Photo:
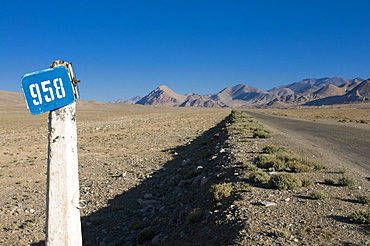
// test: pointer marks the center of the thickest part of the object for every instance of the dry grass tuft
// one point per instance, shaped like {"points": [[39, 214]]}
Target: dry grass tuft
{"points": [[285, 181], [220, 191]]}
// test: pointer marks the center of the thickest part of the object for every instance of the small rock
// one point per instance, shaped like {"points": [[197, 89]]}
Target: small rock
{"points": [[181, 183], [199, 169], [197, 179], [185, 162], [267, 204], [149, 202], [155, 240], [183, 234], [148, 196], [203, 181]]}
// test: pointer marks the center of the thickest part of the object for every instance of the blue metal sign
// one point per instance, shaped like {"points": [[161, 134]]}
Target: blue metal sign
{"points": [[48, 89]]}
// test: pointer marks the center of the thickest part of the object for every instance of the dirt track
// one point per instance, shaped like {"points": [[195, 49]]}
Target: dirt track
{"points": [[339, 144]]}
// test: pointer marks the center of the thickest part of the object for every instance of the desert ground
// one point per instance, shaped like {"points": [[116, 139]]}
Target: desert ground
{"points": [[146, 175]]}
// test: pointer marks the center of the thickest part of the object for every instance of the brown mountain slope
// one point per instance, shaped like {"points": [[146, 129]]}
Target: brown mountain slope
{"points": [[330, 90], [196, 100], [162, 95], [361, 93], [349, 86], [306, 84], [8, 98]]}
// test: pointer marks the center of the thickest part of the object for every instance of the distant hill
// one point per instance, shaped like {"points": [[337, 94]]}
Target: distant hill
{"points": [[8, 98], [330, 90], [196, 100], [324, 91], [129, 101], [242, 92], [360, 93], [307, 84], [308, 92], [162, 95]]}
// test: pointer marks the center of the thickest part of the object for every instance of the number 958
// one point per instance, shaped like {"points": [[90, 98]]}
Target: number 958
{"points": [[48, 91]]}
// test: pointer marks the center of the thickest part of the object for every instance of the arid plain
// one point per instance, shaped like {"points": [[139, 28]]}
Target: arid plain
{"points": [[144, 171]]}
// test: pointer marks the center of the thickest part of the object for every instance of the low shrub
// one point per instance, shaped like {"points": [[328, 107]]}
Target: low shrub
{"points": [[346, 181], [138, 225], [244, 186], [361, 216], [306, 182], [342, 170], [145, 235], [364, 199], [363, 242], [285, 181], [317, 166], [259, 177], [286, 156], [282, 160], [189, 174], [279, 165], [270, 149], [220, 191], [268, 161], [195, 216], [363, 121], [249, 166], [318, 195], [329, 181], [282, 233], [261, 134], [263, 161], [298, 167]]}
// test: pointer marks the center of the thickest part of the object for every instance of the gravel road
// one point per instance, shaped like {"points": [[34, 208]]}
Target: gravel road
{"points": [[341, 144]]}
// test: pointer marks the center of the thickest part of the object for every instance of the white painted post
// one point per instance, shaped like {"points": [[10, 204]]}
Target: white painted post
{"points": [[63, 225]]}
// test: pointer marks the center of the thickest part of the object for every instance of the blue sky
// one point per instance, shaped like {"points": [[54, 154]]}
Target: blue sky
{"points": [[121, 49]]}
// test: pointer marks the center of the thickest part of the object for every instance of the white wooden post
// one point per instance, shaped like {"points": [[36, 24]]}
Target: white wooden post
{"points": [[63, 225]]}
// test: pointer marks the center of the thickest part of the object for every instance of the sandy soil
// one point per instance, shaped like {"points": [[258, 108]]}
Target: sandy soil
{"points": [[145, 169]]}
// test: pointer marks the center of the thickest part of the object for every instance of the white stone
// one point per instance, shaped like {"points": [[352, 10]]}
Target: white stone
{"points": [[267, 204]]}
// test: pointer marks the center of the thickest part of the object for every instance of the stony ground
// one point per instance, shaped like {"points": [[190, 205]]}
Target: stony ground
{"points": [[145, 175]]}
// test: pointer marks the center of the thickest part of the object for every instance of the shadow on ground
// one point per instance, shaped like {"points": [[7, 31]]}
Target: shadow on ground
{"points": [[177, 189]]}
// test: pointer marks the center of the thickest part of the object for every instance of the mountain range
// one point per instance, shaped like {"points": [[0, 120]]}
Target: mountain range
{"points": [[308, 92]]}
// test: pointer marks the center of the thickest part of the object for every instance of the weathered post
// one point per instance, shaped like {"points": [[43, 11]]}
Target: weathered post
{"points": [[63, 225], [55, 90]]}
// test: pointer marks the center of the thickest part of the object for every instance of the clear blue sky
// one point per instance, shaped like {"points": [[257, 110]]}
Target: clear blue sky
{"points": [[121, 49]]}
